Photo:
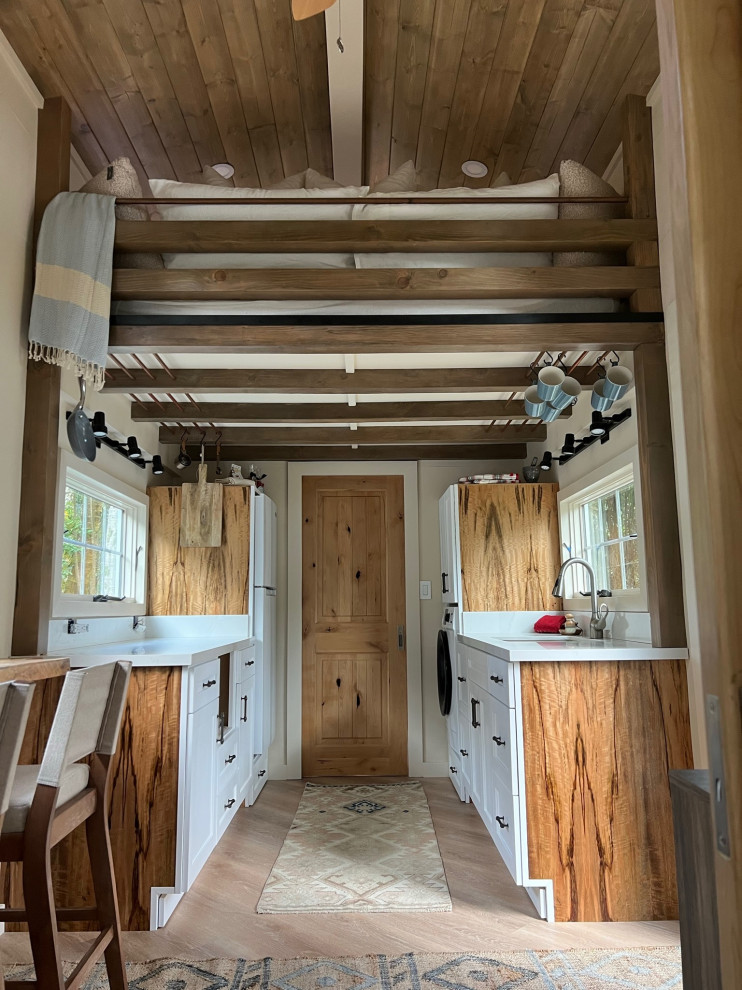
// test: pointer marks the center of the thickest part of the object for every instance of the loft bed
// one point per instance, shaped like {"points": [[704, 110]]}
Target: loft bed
{"points": [[406, 288]]}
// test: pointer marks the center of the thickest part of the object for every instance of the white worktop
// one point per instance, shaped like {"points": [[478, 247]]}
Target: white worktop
{"points": [[175, 651], [533, 647]]}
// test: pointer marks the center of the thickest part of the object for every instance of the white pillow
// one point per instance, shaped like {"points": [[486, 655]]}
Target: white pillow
{"points": [[312, 210], [486, 210]]}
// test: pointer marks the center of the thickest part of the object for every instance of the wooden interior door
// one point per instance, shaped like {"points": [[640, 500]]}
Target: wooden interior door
{"points": [[354, 665]]}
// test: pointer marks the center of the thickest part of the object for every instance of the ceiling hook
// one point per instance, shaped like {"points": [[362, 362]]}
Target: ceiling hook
{"points": [[617, 361], [548, 359]]}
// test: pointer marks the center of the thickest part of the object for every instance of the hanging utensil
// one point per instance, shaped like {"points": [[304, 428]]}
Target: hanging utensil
{"points": [[219, 454], [79, 431]]}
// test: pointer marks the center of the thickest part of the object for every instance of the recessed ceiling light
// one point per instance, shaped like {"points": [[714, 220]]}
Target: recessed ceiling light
{"points": [[474, 169], [224, 169]]}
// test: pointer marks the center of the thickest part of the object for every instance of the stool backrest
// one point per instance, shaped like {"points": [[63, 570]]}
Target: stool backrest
{"points": [[15, 702], [88, 718]]}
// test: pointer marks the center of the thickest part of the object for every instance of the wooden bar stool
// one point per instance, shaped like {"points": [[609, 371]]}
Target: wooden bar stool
{"points": [[46, 803]]}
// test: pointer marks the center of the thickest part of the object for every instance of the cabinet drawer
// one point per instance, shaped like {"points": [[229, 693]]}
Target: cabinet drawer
{"points": [[500, 680], [504, 825], [228, 755], [454, 772], [247, 660], [227, 798], [476, 665], [204, 684], [502, 743], [462, 653]]}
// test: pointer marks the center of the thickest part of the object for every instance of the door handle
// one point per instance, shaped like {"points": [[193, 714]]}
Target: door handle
{"points": [[400, 637], [249, 663], [461, 679], [474, 723], [208, 684], [444, 589], [463, 752], [453, 769]]}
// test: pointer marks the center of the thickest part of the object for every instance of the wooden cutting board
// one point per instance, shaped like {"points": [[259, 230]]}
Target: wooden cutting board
{"points": [[201, 513]]}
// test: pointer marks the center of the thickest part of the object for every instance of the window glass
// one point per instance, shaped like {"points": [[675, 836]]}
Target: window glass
{"points": [[92, 546], [608, 524]]}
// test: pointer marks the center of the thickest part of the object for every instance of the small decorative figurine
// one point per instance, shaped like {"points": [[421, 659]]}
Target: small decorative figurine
{"points": [[570, 627]]}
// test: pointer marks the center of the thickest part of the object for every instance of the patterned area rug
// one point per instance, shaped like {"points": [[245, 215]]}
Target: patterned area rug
{"points": [[358, 848], [594, 969]]}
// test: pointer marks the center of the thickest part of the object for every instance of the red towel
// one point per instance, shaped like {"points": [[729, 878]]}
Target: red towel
{"points": [[549, 624]]}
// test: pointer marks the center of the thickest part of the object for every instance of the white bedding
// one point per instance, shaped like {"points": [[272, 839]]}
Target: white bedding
{"points": [[315, 209]]}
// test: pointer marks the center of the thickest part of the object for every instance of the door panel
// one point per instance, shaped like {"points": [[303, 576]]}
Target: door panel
{"points": [[353, 603]]}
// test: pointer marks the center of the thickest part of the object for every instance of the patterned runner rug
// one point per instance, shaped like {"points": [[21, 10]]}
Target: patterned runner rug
{"points": [[358, 848], [593, 969]]}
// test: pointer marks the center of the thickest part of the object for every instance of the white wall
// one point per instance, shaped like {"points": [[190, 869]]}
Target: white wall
{"points": [[433, 478], [19, 104]]}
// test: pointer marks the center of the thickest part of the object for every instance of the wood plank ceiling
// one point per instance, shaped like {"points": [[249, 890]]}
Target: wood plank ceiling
{"points": [[179, 84]]}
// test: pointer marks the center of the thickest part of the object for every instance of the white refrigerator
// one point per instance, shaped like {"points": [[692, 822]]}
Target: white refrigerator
{"points": [[264, 603]]}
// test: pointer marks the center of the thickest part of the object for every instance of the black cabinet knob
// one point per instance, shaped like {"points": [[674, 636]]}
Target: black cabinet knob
{"points": [[261, 773], [497, 680], [231, 759], [461, 679], [463, 752], [230, 803], [498, 740], [208, 684], [501, 821], [453, 769]]}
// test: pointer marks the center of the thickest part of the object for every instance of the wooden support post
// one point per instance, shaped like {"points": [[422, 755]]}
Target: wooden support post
{"points": [[41, 425], [701, 83], [659, 497], [638, 171]]}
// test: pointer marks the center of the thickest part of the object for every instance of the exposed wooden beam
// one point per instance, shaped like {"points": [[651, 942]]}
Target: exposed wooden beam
{"points": [[261, 236], [659, 497], [253, 436], [387, 452], [288, 413], [317, 381], [213, 338], [638, 168], [380, 283], [35, 570]]}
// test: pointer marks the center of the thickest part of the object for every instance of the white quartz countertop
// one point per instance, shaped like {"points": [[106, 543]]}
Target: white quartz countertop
{"points": [[532, 647], [176, 651]]}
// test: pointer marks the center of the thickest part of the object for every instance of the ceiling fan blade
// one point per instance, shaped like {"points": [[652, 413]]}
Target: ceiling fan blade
{"points": [[308, 8]]}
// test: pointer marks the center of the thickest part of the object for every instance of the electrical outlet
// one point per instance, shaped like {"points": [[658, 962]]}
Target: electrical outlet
{"points": [[425, 591], [74, 627]]}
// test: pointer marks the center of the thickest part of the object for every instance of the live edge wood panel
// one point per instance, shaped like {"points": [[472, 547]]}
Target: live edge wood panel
{"points": [[196, 580], [143, 800], [599, 741], [509, 537]]}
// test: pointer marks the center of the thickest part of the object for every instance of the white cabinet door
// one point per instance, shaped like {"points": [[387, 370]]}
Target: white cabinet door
{"points": [[247, 746], [201, 787], [448, 520]]}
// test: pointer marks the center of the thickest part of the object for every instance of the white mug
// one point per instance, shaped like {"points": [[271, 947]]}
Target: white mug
{"points": [[550, 381], [617, 382]]}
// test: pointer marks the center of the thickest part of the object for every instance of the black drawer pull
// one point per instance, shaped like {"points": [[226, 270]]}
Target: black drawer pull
{"points": [[501, 821], [230, 802], [474, 723], [497, 680], [231, 759], [444, 589], [249, 663], [463, 752], [461, 679], [453, 769], [498, 740], [208, 684], [261, 773], [243, 717]]}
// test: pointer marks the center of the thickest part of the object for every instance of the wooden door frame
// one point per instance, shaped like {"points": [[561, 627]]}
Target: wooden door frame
{"points": [[408, 471], [701, 83]]}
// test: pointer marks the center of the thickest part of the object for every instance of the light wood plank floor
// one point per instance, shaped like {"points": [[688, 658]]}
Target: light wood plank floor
{"points": [[217, 917]]}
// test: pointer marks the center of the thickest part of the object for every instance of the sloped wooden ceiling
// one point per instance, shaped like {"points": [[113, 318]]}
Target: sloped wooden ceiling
{"points": [[179, 84], [517, 84]]}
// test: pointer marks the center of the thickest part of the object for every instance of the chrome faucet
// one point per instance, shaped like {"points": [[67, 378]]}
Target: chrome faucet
{"points": [[597, 620]]}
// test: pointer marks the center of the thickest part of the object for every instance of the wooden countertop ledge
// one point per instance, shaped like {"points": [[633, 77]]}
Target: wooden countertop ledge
{"points": [[30, 669]]}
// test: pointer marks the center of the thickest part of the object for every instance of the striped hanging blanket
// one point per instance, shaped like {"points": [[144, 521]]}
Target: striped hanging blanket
{"points": [[72, 295]]}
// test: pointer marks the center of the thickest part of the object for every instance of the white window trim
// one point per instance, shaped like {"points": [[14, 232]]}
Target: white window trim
{"points": [[622, 468], [136, 508]]}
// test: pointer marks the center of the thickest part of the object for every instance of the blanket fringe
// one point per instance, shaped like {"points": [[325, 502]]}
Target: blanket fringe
{"points": [[92, 373]]}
